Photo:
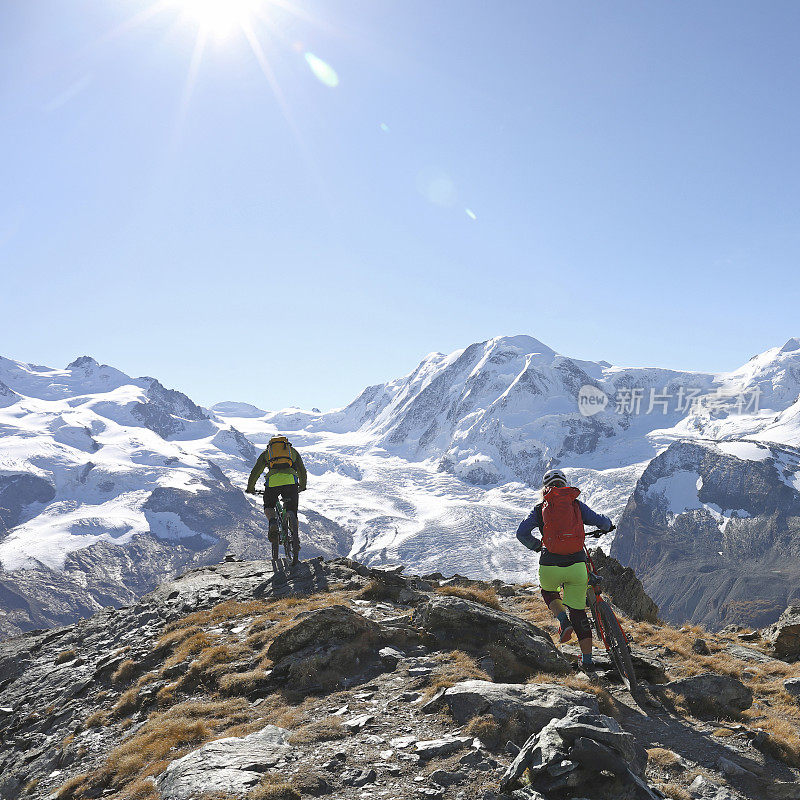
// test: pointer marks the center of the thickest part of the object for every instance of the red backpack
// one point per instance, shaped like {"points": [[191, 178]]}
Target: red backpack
{"points": [[563, 524]]}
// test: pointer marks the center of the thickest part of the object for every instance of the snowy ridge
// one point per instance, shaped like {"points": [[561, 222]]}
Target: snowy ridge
{"points": [[433, 470], [436, 469]]}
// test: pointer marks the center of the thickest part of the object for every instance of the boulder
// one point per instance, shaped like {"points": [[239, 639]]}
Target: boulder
{"points": [[436, 748], [331, 625], [534, 705], [784, 635], [582, 754], [713, 693], [792, 685], [460, 623], [230, 766], [624, 588]]}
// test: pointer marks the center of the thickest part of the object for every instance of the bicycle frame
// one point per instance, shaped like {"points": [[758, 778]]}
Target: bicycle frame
{"points": [[605, 622], [284, 534]]}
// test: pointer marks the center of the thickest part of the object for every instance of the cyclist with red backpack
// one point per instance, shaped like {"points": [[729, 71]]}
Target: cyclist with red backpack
{"points": [[560, 518], [286, 478]]}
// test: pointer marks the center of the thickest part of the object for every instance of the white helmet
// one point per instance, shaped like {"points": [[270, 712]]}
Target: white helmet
{"points": [[554, 477]]}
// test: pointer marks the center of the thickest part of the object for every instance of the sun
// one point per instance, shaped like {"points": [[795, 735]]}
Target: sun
{"points": [[219, 18]]}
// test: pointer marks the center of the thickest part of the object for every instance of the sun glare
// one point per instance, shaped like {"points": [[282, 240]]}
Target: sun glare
{"points": [[219, 18]]}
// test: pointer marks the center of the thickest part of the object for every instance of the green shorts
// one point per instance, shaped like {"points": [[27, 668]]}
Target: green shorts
{"points": [[574, 579]]}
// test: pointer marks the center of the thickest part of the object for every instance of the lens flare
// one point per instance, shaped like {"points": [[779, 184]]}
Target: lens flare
{"points": [[323, 71], [471, 214], [437, 187], [219, 18]]}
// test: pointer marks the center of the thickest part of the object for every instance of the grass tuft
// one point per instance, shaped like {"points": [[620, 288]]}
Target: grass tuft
{"points": [[486, 597], [66, 655]]}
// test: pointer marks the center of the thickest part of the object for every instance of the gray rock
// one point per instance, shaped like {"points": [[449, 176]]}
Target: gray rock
{"points": [[357, 723], [702, 787], [445, 778], [713, 693], [624, 588], [569, 753], [784, 790], [433, 748], [749, 654], [784, 635], [464, 624], [732, 770], [700, 646], [233, 765], [333, 624], [792, 685], [365, 777], [532, 704]]}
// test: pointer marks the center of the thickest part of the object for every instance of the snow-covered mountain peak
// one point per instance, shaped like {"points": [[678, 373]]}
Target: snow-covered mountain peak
{"points": [[791, 345], [83, 376], [230, 408]]}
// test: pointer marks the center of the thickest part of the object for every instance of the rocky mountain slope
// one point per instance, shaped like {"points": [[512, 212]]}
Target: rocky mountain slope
{"points": [[714, 531], [337, 680], [109, 484]]}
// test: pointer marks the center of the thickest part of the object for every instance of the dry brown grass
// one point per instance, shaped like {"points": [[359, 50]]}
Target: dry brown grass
{"points": [[73, 788], [96, 720], [273, 787], [487, 729], [663, 757], [783, 740], [494, 734], [65, 655], [125, 672], [605, 700], [140, 789], [244, 684], [227, 611], [164, 737], [127, 703], [454, 666], [533, 609], [319, 731], [190, 646], [375, 590], [486, 597], [774, 710], [674, 791]]}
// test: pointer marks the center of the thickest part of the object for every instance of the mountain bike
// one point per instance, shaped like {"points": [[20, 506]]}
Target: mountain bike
{"points": [[609, 630], [284, 534]]}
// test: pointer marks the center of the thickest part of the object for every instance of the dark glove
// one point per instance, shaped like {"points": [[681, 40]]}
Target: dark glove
{"points": [[537, 545], [249, 491], [612, 528], [302, 488]]}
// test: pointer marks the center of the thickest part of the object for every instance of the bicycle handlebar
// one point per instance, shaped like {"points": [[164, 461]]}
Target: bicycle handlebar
{"points": [[597, 533]]}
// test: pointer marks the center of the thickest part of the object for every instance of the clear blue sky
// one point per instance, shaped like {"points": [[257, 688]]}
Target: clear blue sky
{"points": [[631, 170]]}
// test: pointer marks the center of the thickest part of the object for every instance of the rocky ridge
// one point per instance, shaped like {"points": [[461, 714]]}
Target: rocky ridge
{"points": [[340, 680]]}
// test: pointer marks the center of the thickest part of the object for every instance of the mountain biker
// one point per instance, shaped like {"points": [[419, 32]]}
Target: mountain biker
{"points": [[560, 518], [286, 478]]}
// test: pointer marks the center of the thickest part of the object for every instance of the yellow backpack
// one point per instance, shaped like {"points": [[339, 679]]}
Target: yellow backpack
{"points": [[279, 453]]}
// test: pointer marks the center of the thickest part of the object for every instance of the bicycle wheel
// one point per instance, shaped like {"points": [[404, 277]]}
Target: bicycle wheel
{"points": [[287, 541], [617, 644]]}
